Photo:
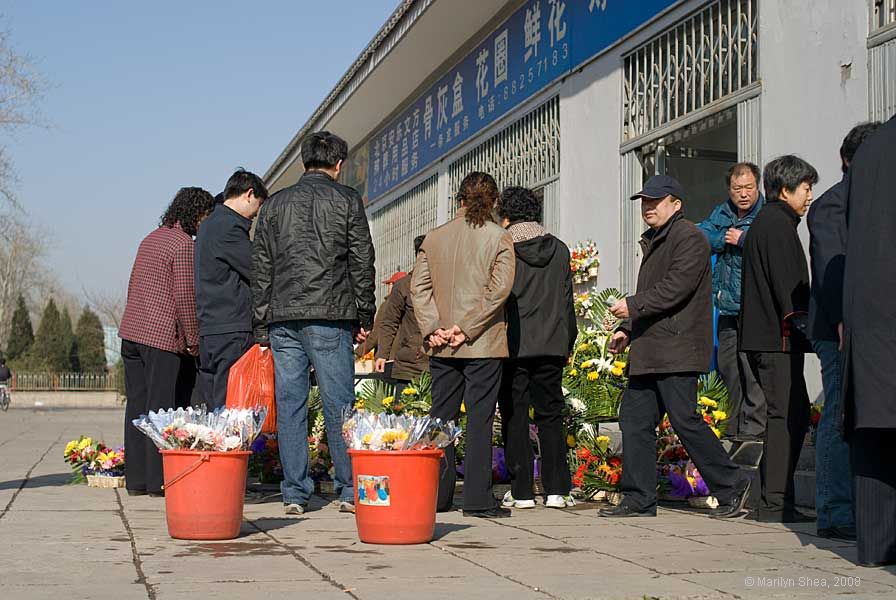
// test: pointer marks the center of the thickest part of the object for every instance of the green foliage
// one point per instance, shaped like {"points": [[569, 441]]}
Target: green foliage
{"points": [[21, 334], [68, 337], [51, 351], [90, 343], [119, 377]]}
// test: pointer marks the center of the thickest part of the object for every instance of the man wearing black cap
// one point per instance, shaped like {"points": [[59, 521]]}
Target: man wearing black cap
{"points": [[669, 325]]}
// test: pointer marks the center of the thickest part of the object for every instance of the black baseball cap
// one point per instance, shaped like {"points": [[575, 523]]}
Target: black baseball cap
{"points": [[660, 186]]}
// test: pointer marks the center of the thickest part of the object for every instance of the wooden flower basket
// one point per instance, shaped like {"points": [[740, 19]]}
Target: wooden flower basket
{"points": [[105, 481]]}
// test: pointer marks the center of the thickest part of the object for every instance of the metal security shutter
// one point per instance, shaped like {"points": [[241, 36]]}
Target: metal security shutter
{"points": [[748, 129], [882, 81], [632, 225], [690, 68], [526, 153], [395, 226]]}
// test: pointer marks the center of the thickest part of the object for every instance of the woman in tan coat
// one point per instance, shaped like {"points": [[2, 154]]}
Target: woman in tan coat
{"points": [[463, 277]]}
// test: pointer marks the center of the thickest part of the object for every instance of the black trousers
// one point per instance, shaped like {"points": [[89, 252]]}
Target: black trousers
{"points": [[536, 383], [154, 380], [746, 401], [781, 376], [475, 383], [645, 401], [872, 452], [217, 353]]}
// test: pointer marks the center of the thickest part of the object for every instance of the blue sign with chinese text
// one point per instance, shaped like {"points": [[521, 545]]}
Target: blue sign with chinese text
{"points": [[537, 45]]}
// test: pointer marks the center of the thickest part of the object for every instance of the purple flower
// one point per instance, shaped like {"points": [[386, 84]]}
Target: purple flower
{"points": [[259, 444]]}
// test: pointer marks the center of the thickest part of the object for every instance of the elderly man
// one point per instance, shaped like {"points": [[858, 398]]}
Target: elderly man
{"points": [[669, 324], [726, 229]]}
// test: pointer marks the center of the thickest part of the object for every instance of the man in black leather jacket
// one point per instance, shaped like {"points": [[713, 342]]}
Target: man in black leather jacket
{"points": [[313, 291]]}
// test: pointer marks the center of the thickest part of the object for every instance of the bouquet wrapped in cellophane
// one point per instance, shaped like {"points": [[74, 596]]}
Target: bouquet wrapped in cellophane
{"points": [[363, 430], [221, 430]]}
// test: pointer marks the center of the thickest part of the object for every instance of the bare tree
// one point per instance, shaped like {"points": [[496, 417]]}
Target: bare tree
{"points": [[20, 89], [109, 305], [21, 270]]}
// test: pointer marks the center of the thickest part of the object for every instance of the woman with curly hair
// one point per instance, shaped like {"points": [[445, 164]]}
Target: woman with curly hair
{"points": [[159, 331], [463, 276]]}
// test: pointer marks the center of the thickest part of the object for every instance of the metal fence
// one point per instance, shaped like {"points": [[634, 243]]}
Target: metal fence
{"points": [[63, 382]]}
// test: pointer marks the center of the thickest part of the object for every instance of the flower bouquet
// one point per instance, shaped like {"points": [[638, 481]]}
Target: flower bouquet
{"points": [[363, 430], [598, 468], [814, 419], [584, 261], [95, 463], [365, 364], [221, 430], [380, 397]]}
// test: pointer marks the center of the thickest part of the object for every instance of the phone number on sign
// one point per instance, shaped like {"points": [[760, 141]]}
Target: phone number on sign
{"points": [[802, 582]]}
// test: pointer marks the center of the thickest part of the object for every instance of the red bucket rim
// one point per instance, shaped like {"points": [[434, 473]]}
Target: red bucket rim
{"points": [[210, 452], [435, 452]]}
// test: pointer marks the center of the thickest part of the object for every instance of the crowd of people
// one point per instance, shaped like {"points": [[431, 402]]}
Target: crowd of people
{"points": [[487, 310]]}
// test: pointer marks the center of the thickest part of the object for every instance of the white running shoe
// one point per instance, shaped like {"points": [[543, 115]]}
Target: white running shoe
{"points": [[293, 509], [510, 502], [556, 501]]}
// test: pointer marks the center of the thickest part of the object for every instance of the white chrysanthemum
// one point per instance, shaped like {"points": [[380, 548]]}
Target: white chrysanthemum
{"points": [[577, 405], [587, 428]]}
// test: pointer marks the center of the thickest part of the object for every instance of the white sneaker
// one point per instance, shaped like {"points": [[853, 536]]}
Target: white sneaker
{"points": [[293, 509], [510, 502], [346, 507], [556, 501]]}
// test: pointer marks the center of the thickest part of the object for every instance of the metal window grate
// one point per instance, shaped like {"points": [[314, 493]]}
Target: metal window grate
{"points": [[882, 81], [694, 64], [395, 226], [525, 153], [883, 13]]}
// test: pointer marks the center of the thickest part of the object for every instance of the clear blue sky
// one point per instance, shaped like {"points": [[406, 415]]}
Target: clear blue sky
{"points": [[147, 97]]}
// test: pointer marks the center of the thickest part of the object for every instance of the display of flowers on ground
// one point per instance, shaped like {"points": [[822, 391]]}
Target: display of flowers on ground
{"points": [[595, 466], [89, 457], [584, 261]]}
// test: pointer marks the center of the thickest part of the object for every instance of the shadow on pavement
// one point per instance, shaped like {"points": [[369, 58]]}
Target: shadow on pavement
{"points": [[55, 480], [443, 529]]}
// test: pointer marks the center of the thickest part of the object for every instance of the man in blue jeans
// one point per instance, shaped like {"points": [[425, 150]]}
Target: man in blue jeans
{"points": [[834, 501], [313, 290]]}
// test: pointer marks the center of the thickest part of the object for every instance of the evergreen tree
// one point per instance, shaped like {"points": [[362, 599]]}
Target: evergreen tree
{"points": [[51, 349], [21, 334], [68, 337], [90, 343]]}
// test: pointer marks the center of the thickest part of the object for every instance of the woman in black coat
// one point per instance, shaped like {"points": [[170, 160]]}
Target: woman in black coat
{"points": [[869, 343], [541, 331]]}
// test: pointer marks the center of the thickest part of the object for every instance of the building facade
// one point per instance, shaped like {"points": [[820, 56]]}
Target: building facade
{"points": [[583, 99]]}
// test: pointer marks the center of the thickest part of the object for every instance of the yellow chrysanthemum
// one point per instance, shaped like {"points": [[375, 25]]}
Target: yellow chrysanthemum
{"points": [[593, 375], [585, 364], [359, 405], [409, 391], [583, 347], [387, 401], [571, 440], [366, 439], [619, 364], [573, 373], [716, 431], [719, 415], [616, 371], [707, 402]]}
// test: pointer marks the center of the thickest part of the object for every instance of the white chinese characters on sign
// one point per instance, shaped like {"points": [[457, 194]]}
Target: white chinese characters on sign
{"points": [[501, 58], [427, 118], [556, 21], [600, 5], [458, 106], [482, 75], [532, 31], [442, 118]]}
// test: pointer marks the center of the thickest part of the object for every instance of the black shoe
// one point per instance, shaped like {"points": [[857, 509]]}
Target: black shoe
{"points": [[780, 516], [838, 533], [156, 494], [496, 512], [873, 564], [136, 492], [624, 510], [735, 506]]}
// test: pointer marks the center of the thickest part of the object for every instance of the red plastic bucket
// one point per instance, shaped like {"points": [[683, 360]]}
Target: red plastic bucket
{"points": [[204, 493], [396, 495]]}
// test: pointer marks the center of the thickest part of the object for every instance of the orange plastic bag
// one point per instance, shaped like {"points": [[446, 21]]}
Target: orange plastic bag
{"points": [[251, 384]]}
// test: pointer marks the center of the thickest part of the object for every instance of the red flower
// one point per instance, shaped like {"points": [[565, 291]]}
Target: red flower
{"points": [[583, 453], [615, 462]]}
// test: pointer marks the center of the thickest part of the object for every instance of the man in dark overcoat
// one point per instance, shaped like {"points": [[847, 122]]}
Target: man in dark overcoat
{"points": [[669, 324], [869, 343]]}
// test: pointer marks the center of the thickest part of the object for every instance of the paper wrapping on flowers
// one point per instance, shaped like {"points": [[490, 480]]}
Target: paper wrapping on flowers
{"points": [[221, 430], [363, 430]]}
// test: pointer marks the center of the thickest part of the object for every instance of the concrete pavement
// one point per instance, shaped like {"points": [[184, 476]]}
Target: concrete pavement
{"points": [[78, 542]]}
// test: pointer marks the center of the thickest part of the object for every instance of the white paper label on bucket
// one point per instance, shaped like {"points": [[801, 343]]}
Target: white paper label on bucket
{"points": [[373, 490]]}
